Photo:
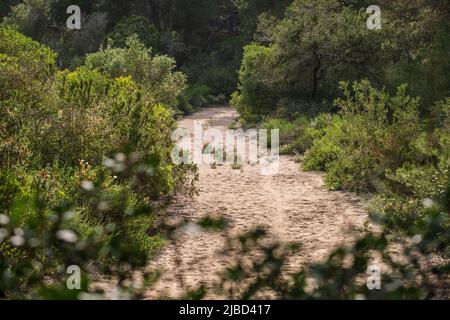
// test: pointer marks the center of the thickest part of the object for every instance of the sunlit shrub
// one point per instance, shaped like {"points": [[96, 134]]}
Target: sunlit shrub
{"points": [[374, 132], [326, 147], [156, 74], [27, 70], [86, 160], [255, 96]]}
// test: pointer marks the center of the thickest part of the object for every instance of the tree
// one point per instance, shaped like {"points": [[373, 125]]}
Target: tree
{"points": [[320, 43], [135, 25]]}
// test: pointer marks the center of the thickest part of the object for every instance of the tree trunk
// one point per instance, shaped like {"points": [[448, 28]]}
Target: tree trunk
{"points": [[316, 69]]}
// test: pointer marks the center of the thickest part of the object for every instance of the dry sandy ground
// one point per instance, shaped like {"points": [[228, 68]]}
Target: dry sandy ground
{"points": [[294, 205]]}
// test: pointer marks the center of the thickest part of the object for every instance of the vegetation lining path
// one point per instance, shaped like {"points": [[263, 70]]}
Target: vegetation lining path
{"points": [[293, 205]]}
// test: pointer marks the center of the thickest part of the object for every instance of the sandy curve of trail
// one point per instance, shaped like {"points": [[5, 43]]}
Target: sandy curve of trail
{"points": [[294, 205]]}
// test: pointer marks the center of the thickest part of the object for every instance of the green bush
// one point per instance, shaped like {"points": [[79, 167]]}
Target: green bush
{"points": [[103, 224], [146, 32], [86, 154], [155, 73], [198, 95], [321, 155], [138, 232], [374, 132], [409, 191], [31, 17], [293, 136], [325, 148], [76, 126], [9, 188], [255, 97], [407, 195], [27, 70], [195, 97]]}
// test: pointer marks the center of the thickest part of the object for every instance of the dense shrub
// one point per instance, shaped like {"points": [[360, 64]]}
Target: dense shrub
{"points": [[109, 234], [199, 95], [196, 96], [155, 73], [411, 189], [255, 97], [45, 21], [74, 45], [294, 138], [375, 132], [85, 159], [31, 17], [146, 32], [81, 115], [27, 70]]}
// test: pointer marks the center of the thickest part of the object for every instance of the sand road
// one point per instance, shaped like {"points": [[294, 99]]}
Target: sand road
{"points": [[293, 204]]}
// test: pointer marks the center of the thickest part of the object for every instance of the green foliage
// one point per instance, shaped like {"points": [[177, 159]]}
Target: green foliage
{"points": [[5, 6], [198, 96], [322, 153], [27, 70], [68, 193], [256, 97], [299, 60], [294, 138], [135, 25], [155, 73], [85, 152], [42, 243], [252, 10], [426, 75], [309, 51], [138, 231], [410, 190], [374, 132], [9, 188], [91, 116], [30, 14], [38, 59], [319, 47], [45, 21], [205, 37]]}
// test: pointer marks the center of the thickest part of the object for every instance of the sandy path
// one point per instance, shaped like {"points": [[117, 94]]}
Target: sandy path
{"points": [[293, 204]]}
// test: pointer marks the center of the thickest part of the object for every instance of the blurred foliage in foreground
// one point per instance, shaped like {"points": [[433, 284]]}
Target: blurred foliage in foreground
{"points": [[35, 254]]}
